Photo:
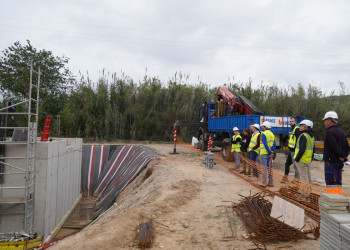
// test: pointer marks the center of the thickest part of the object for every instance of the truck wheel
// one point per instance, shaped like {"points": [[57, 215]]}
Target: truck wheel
{"points": [[202, 144], [226, 151]]}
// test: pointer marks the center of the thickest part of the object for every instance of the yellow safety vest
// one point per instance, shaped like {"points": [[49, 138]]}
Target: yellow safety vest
{"points": [[253, 142], [307, 156], [292, 138], [236, 147], [270, 138]]}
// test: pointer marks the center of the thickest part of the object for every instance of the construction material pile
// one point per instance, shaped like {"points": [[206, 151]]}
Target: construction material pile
{"points": [[335, 222], [254, 212]]}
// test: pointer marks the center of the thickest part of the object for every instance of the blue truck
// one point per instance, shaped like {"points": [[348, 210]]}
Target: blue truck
{"points": [[237, 112]]}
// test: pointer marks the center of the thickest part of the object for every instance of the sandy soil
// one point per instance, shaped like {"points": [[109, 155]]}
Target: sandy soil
{"points": [[175, 190]]}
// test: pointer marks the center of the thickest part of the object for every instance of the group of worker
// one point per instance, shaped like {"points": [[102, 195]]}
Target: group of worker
{"points": [[301, 146], [258, 143]]}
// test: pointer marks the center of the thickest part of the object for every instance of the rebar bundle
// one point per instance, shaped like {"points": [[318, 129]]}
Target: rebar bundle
{"points": [[255, 212]]}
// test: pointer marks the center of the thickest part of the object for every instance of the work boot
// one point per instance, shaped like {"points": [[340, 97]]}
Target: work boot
{"points": [[284, 179]]}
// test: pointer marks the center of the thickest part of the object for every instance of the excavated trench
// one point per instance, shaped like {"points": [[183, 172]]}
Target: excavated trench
{"points": [[105, 172]]}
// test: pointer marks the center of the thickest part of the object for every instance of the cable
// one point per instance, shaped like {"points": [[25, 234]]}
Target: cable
{"points": [[168, 32], [228, 47]]}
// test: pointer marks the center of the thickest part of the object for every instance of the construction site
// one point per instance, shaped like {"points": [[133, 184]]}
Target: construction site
{"points": [[61, 193]]}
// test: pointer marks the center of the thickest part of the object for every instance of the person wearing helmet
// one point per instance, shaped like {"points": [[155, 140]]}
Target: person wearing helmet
{"points": [[253, 148], [293, 137], [336, 151], [236, 147], [267, 146], [304, 152]]}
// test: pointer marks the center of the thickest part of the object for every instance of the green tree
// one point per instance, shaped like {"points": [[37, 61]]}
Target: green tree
{"points": [[56, 78]]}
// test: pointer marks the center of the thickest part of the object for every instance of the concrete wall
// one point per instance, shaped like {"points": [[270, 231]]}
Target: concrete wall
{"points": [[58, 178]]}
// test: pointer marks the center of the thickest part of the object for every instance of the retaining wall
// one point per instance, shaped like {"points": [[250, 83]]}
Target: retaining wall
{"points": [[58, 184]]}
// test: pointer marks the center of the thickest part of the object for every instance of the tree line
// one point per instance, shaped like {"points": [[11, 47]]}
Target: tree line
{"points": [[117, 107]]}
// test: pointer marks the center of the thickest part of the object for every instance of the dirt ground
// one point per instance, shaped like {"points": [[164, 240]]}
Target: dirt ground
{"points": [[173, 191]]}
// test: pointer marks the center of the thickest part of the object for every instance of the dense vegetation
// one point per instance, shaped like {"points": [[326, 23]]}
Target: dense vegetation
{"points": [[147, 110], [119, 108]]}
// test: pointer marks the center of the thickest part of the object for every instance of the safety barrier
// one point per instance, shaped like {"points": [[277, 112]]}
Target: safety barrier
{"points": [[296, 191]]}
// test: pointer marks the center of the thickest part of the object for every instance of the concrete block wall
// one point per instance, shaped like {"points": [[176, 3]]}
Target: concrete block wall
{"points": [[58, 183]]}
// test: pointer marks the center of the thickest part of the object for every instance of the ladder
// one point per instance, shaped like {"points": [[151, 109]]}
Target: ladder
{"points": [[28, 182], [46, 130]]}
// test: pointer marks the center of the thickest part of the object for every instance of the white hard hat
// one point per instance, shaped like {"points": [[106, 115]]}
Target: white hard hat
{"points": [[307, 123], [257, 126], [330, 114], [266, 124], [235, 129]]}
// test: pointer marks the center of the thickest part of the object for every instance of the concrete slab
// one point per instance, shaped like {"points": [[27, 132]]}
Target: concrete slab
{"points": [[345, 227], [325, 197], [331, 206]]}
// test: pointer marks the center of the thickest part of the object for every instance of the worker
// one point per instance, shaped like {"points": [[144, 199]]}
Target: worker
{"points": [[336, 150], [236, 147], [244, 150], [253, 148], [294, 135], [267, 146], [304, 150]]}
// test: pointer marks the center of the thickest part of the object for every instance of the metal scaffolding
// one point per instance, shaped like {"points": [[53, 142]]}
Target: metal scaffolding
{"points": [[26, 187]]}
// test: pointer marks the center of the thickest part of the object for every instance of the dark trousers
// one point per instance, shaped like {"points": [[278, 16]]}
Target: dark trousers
{"points": [[253, 156], [333, 177], [289, 162]]}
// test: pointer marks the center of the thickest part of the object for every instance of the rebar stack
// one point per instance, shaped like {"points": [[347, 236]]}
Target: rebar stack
{"points": [[254, 212]]}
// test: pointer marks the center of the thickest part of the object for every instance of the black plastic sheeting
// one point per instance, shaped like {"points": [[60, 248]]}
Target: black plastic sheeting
{"points": [[108, 169]]}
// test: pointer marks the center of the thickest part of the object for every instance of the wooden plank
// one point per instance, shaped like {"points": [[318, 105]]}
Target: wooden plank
{"points": [[76, 224], [287, 212], [12, 199]]}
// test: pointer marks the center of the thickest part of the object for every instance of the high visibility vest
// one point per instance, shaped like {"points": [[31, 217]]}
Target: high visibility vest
{"points": [[236, 147], [292, 138], [253, 142], [307, 156], [270, 138]]}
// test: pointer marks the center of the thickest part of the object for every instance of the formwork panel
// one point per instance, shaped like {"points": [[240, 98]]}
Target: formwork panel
{"points": [[41, 187], [56, 194]]}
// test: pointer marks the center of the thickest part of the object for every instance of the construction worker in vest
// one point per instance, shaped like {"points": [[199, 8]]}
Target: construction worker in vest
{"points": [[236, 147], [267, 146], [253, 148], [304, 152], [294, 135], [336, 150]]}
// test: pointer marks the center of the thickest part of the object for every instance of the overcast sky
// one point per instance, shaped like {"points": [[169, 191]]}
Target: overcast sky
{"points": [[285, 42]]}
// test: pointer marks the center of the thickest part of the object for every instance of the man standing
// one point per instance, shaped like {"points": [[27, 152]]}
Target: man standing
{"points": [[253, 148], [244, 149], [304, 151], [336, 150], [291, 145], [236, 147], [267, 146]]}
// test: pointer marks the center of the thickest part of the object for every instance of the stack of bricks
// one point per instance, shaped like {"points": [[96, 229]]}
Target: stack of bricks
{"points": [[335, 222]]}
